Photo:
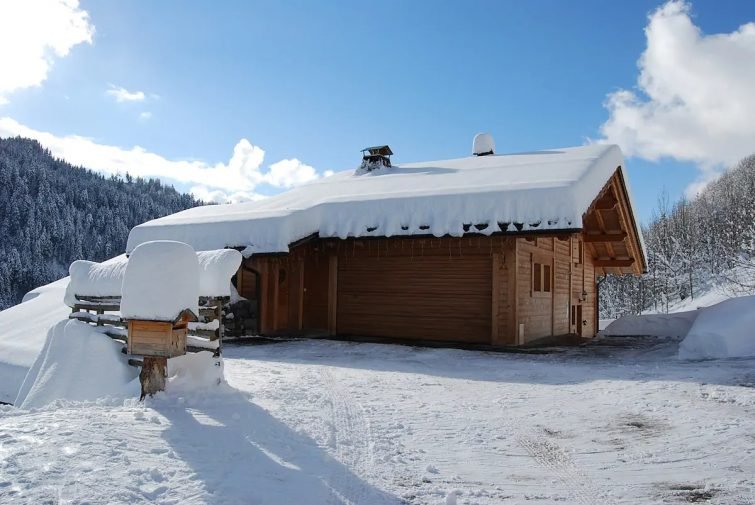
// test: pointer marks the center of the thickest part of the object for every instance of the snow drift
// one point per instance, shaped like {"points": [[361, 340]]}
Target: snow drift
{"points": [[656, 325], [79, 364], [23, 330], [160, 282], [724, 330]]}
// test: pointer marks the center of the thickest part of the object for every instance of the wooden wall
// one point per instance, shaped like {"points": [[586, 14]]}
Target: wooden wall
{"points": [[543, 314], [453, 289], [535, 309]]}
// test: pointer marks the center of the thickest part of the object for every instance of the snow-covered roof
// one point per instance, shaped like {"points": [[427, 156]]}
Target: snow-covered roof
{"points": [[545, 190]]}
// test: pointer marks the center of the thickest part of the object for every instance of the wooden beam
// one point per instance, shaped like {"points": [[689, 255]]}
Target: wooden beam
{"points": [[605, 237], [275, 267], [301, 295], [496, 297], [614, 263], [332, 294], [264, 297], [608, 202]]}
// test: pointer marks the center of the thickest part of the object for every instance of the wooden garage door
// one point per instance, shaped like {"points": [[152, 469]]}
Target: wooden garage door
{"points": [[432, 298]]}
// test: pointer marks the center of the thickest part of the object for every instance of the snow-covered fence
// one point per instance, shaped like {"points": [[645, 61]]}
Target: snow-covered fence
{"points": [[94, 295], [206, 334]]}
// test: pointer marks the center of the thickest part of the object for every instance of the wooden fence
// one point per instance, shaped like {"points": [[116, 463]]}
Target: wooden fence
{"points": [[204, 335]]}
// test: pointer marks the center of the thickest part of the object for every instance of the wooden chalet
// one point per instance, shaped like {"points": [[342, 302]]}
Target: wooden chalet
{"points": [[499, 249]]}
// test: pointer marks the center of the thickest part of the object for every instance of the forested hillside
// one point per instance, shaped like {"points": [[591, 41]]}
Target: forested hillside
{"points": [[52, 213], [693, 245]]}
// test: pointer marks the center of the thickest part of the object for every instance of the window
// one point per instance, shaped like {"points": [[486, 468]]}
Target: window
{"points": [[541, 278]]}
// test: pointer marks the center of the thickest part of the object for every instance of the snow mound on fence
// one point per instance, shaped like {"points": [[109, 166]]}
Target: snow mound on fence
{"points": [[655, 325], [95, 279], [77, 363], [724, 330], [23, 330], [216, 269], [161, 281], [106, 279], [194, 372]]}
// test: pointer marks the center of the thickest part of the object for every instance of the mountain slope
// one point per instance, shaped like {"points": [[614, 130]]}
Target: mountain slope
{"points": [[52, 213]]}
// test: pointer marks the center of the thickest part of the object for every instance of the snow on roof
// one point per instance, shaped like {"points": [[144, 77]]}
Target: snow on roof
{"points": [[537, 190]]}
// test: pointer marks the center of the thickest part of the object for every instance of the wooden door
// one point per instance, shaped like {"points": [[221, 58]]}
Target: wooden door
{"points": [[430, 298], [580, 326]]}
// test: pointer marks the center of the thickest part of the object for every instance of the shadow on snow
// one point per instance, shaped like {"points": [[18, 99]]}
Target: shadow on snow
{"points": [[242, 454]]}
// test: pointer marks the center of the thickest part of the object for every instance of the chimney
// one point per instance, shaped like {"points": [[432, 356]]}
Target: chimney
{"points": [[483, 144], [376, 157]]}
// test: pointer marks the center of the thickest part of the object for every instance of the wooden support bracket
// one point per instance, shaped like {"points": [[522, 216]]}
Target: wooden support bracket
{"points": [[605, 237], [614, 263]]}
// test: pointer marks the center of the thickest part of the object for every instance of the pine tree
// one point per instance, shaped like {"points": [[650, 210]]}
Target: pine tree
{"points": [[52, 213]]}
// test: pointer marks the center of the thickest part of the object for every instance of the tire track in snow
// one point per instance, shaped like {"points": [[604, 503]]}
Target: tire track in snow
{"points": [[552, 457], [351, 438]]}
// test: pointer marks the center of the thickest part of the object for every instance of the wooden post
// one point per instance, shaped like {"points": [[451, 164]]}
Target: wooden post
{"points": [[219, 332], [275, 267], [332, 294], [496, 297], [515, 297], [152, 376], [300, 318]]}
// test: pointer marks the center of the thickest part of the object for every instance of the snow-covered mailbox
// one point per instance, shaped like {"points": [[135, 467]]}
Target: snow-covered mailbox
{"points": [[160, 295]]}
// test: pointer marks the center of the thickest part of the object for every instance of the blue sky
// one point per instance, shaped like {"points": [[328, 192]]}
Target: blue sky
{"points": [[314, 82]]}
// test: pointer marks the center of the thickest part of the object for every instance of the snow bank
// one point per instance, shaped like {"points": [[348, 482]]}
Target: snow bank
{"points": [[194, 372], [161, 281], [79, 364], [724, 330], [541, 190], [23, 330], [655, 325], [95, 279], [216, 269]]}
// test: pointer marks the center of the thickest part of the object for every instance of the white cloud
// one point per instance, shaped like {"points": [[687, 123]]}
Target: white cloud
{"points": [[220, 196], [32, 32], [145, 116], [290, 173], [694, 100], [235, 181], [121, 94]]}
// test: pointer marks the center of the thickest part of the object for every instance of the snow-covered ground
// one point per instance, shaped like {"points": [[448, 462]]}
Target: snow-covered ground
{"points": [[620, 421]]}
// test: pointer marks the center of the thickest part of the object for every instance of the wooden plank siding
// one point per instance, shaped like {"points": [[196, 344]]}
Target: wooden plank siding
{"points": [[472, 289], [561, 292]]}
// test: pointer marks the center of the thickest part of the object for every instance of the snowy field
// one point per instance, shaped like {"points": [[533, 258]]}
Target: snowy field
{"points": [[621, 421]]}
